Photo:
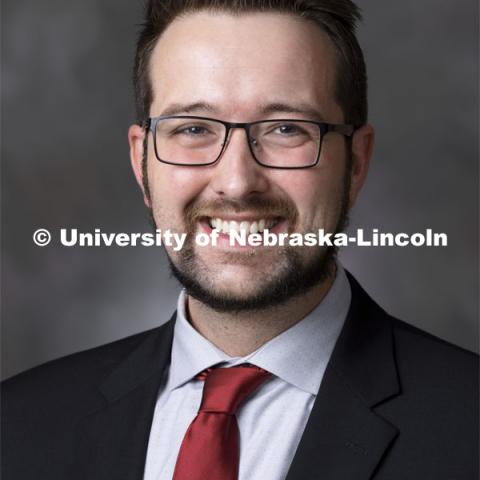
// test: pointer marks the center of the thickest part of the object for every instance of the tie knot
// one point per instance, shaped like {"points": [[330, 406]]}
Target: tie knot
{"points": [[226, 388]]}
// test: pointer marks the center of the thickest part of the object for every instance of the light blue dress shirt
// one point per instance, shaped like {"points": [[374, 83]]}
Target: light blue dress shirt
{"points": [[273, 418]]}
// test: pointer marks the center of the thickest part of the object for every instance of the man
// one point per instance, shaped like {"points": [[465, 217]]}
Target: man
{"points": [[252, 116]]}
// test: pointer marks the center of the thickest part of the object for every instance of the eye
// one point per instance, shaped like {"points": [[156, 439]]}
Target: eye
{"points": [[288, 129], [192, 130]]}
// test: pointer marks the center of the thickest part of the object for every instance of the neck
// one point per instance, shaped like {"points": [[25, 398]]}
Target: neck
{"points": [[241, 333]]}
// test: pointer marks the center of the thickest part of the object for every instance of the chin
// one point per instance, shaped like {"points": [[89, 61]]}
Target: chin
{"points": [[255, 289]]}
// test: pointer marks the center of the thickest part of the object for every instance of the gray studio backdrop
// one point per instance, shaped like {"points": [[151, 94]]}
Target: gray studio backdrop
{"points": [[67, 104]]}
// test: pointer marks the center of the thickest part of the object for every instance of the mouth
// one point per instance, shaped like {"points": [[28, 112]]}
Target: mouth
{"points": [[240, 224], [252, 225]]}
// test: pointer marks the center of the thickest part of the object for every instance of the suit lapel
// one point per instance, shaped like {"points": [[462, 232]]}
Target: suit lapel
{"points": [[344, 438], [113, 439]]}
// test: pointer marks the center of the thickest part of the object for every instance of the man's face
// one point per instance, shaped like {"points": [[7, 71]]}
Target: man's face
{"points": [[242, 69]]}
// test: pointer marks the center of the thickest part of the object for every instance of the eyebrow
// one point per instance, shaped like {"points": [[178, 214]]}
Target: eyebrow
{"points": [[179, 108], [299, 109], [266, 109]]}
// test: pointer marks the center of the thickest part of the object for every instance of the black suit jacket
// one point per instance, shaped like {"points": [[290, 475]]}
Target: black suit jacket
{"points": [[395, 404]]}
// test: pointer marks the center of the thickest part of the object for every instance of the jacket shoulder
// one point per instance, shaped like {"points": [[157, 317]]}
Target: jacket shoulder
{"points": [[42, 407], [416, 351], [424, 352], [60, 384]]}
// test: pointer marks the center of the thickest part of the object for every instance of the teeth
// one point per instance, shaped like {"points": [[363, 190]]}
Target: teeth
{"points": [[234, 226], [225, 226]]}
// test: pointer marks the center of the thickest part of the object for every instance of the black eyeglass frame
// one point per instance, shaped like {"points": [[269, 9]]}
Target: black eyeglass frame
{"points": [[343, 129]]}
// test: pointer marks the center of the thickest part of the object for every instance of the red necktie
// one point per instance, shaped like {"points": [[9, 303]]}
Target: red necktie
{"points": [[210, 448]]}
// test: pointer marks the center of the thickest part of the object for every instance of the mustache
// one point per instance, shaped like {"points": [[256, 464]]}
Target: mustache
{"points": [[263, 207]]}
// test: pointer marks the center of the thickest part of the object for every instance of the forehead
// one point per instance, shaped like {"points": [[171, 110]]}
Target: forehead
{"points": [[239, 61]]}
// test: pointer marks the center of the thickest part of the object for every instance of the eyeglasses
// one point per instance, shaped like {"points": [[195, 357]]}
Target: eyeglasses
{"points": [[280, 143]]}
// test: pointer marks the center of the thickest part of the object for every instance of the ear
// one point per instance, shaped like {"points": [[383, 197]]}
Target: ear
{"points": [[136, 136], [362, 149]]}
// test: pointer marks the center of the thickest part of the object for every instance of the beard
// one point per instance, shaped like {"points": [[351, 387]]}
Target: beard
{"points": [[294, 278]]}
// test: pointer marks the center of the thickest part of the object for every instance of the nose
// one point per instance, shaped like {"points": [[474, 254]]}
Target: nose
{"points": [[237, 174]]}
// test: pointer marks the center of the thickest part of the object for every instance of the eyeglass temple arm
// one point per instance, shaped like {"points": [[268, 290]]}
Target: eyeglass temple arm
{"points": [[346, 130]]}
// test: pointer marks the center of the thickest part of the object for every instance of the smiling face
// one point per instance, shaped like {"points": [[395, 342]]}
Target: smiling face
{"points": [[243, 69]]}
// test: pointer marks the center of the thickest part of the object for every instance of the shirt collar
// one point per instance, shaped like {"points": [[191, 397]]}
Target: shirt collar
{"points": [[298, 355]]}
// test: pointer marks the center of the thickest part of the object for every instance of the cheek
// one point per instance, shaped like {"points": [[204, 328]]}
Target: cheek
{"points": [[172, 187], [317, 194]]}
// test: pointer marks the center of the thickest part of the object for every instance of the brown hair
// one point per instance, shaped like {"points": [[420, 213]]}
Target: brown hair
{"points": [[337, 18]]}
